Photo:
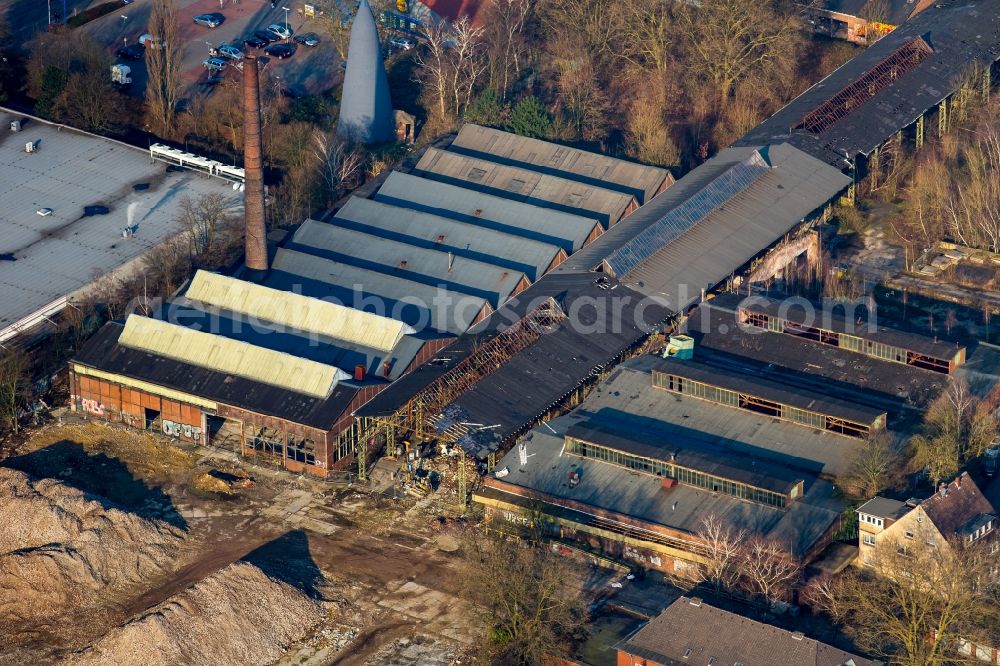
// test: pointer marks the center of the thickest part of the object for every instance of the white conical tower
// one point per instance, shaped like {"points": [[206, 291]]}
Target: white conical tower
{"points": [[365, 106]]}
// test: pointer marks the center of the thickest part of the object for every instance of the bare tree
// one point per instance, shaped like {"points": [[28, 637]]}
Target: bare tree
{"points": [[15, 383], [767, 569], [722, 551], [450, 65], [340, 163], [90, 102], [505, 42], [648, 133], [528, 599], [957, 427], [726, 40], [917, 599], [163, 63], [203, 218], [877, 465], [647, 34]]}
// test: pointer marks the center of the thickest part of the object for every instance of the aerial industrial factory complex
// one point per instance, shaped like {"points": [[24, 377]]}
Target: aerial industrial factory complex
{"points": [[506, 280]]}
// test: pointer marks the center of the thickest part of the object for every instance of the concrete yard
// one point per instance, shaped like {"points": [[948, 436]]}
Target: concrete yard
{"points": [[45, 258]]}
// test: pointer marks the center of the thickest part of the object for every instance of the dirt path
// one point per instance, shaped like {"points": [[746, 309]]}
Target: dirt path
{"points": [[220, 555]]}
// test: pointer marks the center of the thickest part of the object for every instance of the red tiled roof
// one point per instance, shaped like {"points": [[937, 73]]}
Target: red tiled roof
{"points": [[453, 10], [956, 504]]}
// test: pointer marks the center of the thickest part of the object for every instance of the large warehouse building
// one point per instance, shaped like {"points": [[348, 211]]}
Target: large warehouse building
{"points": [[64, 204], [276, 365], [749, 426], [718, 225]]}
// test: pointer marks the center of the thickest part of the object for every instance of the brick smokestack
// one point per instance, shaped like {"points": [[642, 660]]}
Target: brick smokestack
{"points": [[253, 202]]}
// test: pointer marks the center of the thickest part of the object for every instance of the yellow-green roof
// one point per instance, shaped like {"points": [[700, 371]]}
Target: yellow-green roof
{"points": [[302, 313], [230, 356]]}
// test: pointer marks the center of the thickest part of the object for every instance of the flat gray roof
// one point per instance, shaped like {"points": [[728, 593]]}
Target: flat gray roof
{"points": [[629, 395], [487, 211], [639, 180], [532, 257], [643, 496], [43, 259], [883, 507]]}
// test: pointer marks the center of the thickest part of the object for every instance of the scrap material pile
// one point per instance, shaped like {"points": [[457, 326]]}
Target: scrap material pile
{"points": [[63, 550]]}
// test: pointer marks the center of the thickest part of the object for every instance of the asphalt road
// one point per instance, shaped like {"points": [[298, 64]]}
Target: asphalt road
{"points": [[25, 18]]}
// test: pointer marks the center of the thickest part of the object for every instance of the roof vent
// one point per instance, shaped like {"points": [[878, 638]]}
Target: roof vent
{"points": [[798, 635], [402, 264], [695, 601]]}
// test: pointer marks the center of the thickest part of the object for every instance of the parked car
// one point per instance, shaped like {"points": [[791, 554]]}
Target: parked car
{"points": [[282, 30], [255, 42], [280, 51], [266, 35], [213, 20], [404, 43], [132, 52], [308, 39], [230, 51], [215, 64]]}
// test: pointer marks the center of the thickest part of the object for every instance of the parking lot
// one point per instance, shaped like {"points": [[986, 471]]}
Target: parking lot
{"points": [[311, 70]]}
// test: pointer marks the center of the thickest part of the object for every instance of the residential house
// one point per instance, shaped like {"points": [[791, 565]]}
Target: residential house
{"points": [[692, 632], [957, 511]]}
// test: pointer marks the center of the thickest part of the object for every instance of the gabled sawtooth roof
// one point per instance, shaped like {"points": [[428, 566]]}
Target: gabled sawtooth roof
{"points": [[638, 180]]}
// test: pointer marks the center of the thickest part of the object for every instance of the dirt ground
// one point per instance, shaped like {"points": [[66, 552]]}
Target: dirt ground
{"points": [[388, 593]]}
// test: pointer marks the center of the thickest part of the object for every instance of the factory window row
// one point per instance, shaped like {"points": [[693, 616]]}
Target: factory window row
{"points": [[846, 341], [670, 470], [759, 405]]}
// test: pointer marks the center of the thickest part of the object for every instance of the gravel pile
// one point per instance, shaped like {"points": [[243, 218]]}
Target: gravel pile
{"points": [[63, 550], [238, 615]]}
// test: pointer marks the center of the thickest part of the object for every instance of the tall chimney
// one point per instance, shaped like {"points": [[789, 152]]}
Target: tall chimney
{"points": [[253, 202]]}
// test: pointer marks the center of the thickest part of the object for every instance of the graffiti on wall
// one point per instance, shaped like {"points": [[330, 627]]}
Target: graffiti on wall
{"points": [[92, 406], [181, 430]]}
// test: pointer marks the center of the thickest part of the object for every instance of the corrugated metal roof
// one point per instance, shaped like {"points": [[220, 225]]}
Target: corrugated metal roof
{"points": [[230, 356], [725, 240], [638, 180], [347, 356], [103, 352], [297, 311], [686, 451], [959, 33], [487, 211], [397, 259], [897, 388], [800, 311], [504, 250], [685, 216], [526, 185], [415, 303]]}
